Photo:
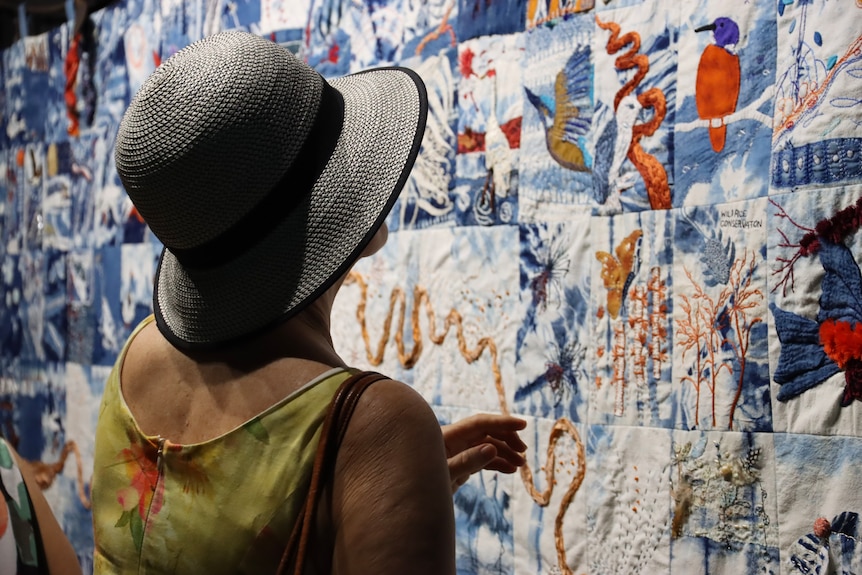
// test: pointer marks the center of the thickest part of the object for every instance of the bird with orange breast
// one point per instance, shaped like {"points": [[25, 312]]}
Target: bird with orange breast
{"points": [[717, 84]]}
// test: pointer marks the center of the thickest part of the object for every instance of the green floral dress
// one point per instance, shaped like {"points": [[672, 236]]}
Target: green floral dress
{"points": [[226, 505]]}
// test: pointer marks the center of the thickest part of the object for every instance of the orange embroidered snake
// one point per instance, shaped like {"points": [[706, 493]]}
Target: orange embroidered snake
{"points": [[651, 170]]}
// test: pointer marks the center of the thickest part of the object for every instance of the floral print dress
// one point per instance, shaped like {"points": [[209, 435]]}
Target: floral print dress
{"points": [[226, 505]]}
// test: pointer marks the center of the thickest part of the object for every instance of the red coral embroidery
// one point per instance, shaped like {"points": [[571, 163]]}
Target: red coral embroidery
{"points": [[465, 63], [841, 341]]}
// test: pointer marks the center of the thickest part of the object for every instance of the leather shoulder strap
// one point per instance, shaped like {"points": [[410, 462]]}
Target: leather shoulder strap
{"points": [[334, 427]]}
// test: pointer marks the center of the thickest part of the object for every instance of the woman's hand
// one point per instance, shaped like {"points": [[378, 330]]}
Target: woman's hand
{"points": [[483, 441]]}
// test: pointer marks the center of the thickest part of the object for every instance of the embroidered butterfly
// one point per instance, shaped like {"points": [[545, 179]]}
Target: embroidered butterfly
{"points": [[619, 272], [812, 351]]}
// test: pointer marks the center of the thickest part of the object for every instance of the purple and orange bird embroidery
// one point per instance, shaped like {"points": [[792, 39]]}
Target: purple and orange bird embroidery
{"points": [[718, 78]]}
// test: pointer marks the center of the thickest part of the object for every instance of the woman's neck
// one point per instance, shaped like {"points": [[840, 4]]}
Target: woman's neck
{"points": [[304, 336]]}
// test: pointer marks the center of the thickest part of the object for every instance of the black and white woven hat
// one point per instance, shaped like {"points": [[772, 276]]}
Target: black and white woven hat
{"points": [[263, 180]]}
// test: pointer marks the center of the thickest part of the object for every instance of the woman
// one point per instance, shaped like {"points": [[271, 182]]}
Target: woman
{"points": [[265, 183]]}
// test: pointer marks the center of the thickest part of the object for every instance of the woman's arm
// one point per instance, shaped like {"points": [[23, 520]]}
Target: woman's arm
{"points": [[483, 441], [392, 510]]}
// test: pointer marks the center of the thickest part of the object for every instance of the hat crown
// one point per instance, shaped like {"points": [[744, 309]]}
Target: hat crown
{"points": [[211, 132]]}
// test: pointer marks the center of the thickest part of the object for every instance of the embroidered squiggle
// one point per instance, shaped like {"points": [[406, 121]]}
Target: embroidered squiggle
{"points": [[45, 473], [408, 359]]}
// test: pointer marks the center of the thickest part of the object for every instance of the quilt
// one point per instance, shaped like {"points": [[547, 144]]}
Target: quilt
{"points": [[634, 223]]}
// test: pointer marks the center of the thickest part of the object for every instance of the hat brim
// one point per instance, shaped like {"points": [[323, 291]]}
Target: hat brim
{"points": [[318, 240]]}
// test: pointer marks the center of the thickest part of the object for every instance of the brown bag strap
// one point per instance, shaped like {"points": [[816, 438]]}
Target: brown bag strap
{"points": [[334, 427]]}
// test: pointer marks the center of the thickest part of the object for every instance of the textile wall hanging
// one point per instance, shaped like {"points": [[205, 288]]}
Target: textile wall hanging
{"points": [[634, 223]]}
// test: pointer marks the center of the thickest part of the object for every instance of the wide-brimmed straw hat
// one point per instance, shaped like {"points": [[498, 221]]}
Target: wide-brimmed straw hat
{"points": [[263, 180]]}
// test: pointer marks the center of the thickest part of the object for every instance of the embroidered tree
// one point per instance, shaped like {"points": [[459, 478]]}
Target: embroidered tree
{"points": [[700, 333], [639, 323], [742, 301], [836, 229], [636, 315], [712, 325], [692, 334]]}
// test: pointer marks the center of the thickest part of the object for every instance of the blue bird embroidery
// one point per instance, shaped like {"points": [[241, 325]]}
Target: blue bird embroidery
{"points": [[566, 119], [814, 350]]}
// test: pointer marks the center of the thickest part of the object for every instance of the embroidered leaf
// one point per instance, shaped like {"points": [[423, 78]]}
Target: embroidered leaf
{"points": [[256, 428], [718, 257], [846, 522]]}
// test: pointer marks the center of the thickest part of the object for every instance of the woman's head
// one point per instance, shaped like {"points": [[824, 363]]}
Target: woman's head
{"points": [[264, 181]]}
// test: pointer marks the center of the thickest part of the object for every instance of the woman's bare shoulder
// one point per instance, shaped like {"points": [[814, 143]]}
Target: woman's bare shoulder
{"points": [[393, 419], [392, 502], [398, 404]]}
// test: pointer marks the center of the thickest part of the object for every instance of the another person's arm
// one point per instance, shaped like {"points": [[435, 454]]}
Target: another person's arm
{"points": [[59, 553], [392, 510]]}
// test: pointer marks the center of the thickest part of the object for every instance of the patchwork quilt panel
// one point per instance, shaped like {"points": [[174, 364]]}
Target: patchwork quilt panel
{"points": [[633, 223]]}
